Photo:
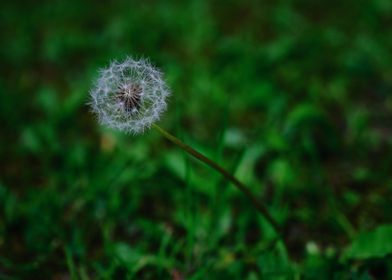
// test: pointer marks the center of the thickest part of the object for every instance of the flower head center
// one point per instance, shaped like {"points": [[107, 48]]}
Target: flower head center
{"points": [[129, 96]]}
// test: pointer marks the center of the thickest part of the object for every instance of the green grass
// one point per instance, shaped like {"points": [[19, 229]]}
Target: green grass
{"points": [[294, 98]]}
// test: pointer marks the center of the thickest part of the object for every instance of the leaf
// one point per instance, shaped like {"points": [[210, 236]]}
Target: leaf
{"points": [[175, 162], [304, 115], [373, 244], [246, 166]]}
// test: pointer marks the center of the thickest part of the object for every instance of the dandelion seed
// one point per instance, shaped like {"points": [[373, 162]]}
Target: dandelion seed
{"points": [[129, 96]]}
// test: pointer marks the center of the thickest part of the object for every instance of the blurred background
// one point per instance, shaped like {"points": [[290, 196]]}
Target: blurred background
{"points": [[293, 97]]}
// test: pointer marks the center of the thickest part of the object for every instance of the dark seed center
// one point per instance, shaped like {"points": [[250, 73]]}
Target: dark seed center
{"points": [[130, 96]]}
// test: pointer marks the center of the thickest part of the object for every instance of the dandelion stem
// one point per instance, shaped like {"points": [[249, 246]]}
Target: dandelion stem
{"points": [[245, 190]]}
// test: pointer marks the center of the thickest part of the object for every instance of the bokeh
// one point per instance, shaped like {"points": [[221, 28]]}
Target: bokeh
{"points": [[293, 97]]}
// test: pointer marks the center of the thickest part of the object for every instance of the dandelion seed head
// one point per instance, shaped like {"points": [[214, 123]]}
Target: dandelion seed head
{"points": [[129, 96]]}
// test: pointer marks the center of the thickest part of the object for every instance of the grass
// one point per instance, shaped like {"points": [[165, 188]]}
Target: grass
{"points": [[293, 98]]}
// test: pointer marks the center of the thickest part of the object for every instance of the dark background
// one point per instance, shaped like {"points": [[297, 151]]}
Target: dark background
{"points": [[293, 97]]}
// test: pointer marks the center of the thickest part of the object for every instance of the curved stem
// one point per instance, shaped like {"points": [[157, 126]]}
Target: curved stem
{"points": [[245, 190]]}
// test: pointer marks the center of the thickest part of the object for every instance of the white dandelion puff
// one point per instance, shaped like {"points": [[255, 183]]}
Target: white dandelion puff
{"points": [[129, 96]]}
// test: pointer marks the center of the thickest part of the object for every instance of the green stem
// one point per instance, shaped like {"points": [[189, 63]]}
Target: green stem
{"points": [[245, 190]]}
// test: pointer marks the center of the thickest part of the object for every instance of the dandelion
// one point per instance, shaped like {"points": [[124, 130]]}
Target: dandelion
{"points": [[129, 96]]}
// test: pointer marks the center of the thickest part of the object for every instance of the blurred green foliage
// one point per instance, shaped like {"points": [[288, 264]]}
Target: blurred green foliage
{"points": [[294, 97]]}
